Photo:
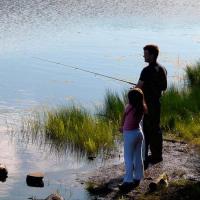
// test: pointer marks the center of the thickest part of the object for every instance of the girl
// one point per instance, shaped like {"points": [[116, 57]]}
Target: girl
{"points": [[133, 139]]}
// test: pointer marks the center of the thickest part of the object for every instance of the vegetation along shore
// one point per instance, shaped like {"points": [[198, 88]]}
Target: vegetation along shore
{"points": [[76, 128]]}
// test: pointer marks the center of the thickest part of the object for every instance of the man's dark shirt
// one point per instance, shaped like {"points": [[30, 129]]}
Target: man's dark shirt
{"points": [[154, 77]]}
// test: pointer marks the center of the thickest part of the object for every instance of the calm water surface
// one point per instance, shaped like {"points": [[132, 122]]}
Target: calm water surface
{"points": [[102, 36]]}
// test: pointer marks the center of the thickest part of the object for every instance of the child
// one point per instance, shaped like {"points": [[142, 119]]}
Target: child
{"points": [[133, 139]]}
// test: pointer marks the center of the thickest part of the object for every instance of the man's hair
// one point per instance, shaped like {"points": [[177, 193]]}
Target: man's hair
{"points": [[152, 49]]}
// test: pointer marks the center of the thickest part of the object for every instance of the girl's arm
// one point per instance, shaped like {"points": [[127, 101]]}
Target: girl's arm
{"points": [[122, 123]]}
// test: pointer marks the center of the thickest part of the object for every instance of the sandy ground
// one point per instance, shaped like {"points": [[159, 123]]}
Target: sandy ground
{"points": [[180, 161]]}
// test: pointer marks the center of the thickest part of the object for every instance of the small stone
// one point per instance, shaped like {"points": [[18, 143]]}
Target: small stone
{"points": [[91, 157], [54, 197], [3, 173], [35, 179]]}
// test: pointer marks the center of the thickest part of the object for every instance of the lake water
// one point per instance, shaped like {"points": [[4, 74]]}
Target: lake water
{"points": [[102, 36]]}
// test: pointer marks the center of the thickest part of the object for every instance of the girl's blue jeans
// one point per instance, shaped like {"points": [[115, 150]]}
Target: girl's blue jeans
{"points": [[133, 144]]}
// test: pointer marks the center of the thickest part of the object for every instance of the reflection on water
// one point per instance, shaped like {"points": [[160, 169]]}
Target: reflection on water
{"points": [[102, 36], [60, 172]]}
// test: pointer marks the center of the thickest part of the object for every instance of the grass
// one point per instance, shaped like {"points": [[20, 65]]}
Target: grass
{"points": [[180, 189], [113, 106], [181, 107], [193, 75], [77, 130], [74, 128], [183, 189]]}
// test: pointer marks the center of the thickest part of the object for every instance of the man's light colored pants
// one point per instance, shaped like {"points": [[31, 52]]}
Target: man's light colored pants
{"points": [[133, 140]]}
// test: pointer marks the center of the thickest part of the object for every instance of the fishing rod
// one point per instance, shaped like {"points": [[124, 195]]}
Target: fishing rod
{"points": [[84, 70]]}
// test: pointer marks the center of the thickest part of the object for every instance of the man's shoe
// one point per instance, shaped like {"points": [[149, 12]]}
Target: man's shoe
{"points": [[146, 164], [149, 158], [128, 186], [156, 160]]}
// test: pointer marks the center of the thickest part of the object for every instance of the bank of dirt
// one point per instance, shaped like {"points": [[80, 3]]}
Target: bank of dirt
{"points": [[181, 162]]}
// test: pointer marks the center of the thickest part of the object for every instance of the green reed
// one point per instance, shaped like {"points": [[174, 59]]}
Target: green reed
{"points": [[193, 75], [181, 107], [74, 128], [113, 106]]}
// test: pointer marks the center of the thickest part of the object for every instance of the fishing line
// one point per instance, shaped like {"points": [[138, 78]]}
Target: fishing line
{"points": [[84, 70]]}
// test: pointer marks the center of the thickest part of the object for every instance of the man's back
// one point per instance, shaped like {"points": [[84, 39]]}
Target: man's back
{"points": [[155, 81]]}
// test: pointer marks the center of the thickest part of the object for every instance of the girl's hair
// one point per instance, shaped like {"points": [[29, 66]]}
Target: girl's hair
{"points": [[136, 99]]}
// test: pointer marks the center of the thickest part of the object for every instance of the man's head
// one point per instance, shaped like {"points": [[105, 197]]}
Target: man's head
{"points": [[151, 52]]}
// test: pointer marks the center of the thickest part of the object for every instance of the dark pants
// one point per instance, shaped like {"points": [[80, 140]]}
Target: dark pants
{"points": [[152, 131]]}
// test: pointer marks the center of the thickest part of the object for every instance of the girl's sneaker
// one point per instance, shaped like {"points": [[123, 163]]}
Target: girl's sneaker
{"points": [[128, 186]]}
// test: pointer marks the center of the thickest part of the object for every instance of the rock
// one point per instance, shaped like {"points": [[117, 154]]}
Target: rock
{"points": [[3, 173], [91, 157], [35, 179], [160, 182], [54, 197]]}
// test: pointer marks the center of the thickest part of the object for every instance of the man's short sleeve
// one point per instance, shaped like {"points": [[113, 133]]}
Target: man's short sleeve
{"points": [[163, 77], [143, 75]]}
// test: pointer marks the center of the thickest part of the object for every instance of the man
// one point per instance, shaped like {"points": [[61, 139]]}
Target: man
{"points": [[152, 81]]}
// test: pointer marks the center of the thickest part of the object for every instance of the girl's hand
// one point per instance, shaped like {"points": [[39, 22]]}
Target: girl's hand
{"points": [[121, 129]]}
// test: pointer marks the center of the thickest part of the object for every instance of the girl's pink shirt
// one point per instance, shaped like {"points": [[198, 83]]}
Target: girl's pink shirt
{"points": [[130, 121]]}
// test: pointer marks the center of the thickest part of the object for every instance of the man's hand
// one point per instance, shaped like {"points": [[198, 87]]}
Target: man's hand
{"points": [[140, 84]]}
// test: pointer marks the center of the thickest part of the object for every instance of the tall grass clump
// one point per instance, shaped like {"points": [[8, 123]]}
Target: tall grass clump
{"points": [[113, 106], [174, 107], [74, 128], [181, 107], [193, 75], [79, 129]]}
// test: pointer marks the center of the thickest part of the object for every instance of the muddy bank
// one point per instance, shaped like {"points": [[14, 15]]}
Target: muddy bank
{"points": [[180, 162]]}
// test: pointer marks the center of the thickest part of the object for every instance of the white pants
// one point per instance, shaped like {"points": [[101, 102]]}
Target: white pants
{"points": [[133, 140]]}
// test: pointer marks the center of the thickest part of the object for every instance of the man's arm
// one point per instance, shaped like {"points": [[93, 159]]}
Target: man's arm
{"points": [[163, 76], [143, 77], [140, 84]]}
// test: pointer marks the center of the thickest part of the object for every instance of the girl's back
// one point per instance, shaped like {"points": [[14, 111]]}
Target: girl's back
{"points": [[131, 121]]}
